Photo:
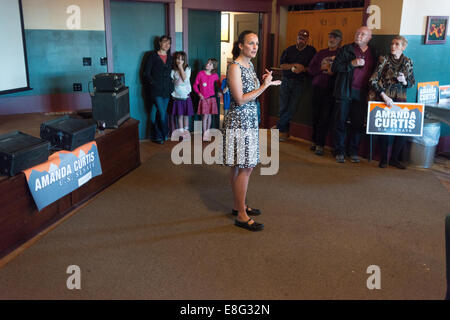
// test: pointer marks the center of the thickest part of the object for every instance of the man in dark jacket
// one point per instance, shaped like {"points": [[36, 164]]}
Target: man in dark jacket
{"points": [[294, 61], [353, 66]]}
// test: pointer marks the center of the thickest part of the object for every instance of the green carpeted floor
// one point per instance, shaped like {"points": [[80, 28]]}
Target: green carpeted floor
{"points": [[165, 232]]}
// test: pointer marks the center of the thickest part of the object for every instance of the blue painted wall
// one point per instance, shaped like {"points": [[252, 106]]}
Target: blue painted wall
{"points": [[134, 26], [204, 39], [55, 59]]}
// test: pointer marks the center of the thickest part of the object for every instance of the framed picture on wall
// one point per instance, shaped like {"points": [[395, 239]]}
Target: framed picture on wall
{"points": [[436, 32], [225, 28]]}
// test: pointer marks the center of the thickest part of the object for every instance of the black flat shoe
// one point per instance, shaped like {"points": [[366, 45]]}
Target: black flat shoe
{"points": [[397, 164], [255, 226], [382, 164], [250, 212]]}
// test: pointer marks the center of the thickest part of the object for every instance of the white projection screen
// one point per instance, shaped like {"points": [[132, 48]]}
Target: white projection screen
{"points": [[13, 63]]}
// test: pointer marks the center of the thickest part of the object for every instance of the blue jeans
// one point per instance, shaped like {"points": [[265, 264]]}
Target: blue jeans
{"points": [[158, 117], [290, 92]]}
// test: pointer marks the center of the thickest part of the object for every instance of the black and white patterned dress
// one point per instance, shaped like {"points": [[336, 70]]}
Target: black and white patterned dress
{"points": [[240, 126]]}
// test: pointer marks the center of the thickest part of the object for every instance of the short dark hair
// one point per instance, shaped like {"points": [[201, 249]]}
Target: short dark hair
{"points": [[162, 38]]}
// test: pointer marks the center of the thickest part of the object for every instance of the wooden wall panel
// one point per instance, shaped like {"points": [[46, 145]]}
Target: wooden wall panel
{"points": [[321, 22]]}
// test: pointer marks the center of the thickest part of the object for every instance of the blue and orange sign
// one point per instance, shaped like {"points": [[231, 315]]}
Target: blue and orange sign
{"points": [[428, 92], [444, 94], [63, 172], [402, 119]]}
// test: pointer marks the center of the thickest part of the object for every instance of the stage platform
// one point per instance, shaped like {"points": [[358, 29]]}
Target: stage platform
{"points": [[19, 218]]}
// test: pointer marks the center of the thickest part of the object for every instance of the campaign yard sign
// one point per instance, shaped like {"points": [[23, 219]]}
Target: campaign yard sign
{"points": [[403, 119], [444, 94], [428, 92], [63, 172]]}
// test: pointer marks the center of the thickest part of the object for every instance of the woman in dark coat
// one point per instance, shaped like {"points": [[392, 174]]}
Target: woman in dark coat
{"points": [[393, 75], [159, 87]]}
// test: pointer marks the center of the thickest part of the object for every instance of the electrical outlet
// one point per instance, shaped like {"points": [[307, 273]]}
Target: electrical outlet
{"points": [[77, 87], [87, 61], [103, 61]]}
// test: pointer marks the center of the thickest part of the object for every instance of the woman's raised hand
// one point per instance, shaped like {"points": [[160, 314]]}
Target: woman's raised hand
{"points": [[267, 78], [264, 76]]}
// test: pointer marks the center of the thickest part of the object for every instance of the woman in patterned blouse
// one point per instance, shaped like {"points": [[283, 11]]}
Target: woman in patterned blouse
{"points": [[392, 77]]}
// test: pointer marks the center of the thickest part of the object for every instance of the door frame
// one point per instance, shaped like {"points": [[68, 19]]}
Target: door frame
{"points": [[170, 26], [262, 7]]}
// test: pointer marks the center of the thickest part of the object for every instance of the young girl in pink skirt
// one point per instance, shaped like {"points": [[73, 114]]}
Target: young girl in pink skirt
{"points": [[204, 86], [182, 103]]}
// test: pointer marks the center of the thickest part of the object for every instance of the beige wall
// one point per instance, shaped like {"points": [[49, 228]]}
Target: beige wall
{"points": [[52, 15], [391, 16], [178, 15], [415, 12]]}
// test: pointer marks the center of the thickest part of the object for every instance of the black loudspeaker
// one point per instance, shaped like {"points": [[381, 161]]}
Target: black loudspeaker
{"points": [[68, 133], [104, 82], [20, 151], [112, 108]]}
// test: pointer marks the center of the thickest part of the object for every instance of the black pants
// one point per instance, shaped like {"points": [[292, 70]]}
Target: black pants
{"points": [[323, 114], [290, 94], [354, 109], [397, 147]]}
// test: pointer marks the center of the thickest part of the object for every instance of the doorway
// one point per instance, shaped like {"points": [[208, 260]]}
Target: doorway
{"points": [[207, 39], [233, 23]]}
